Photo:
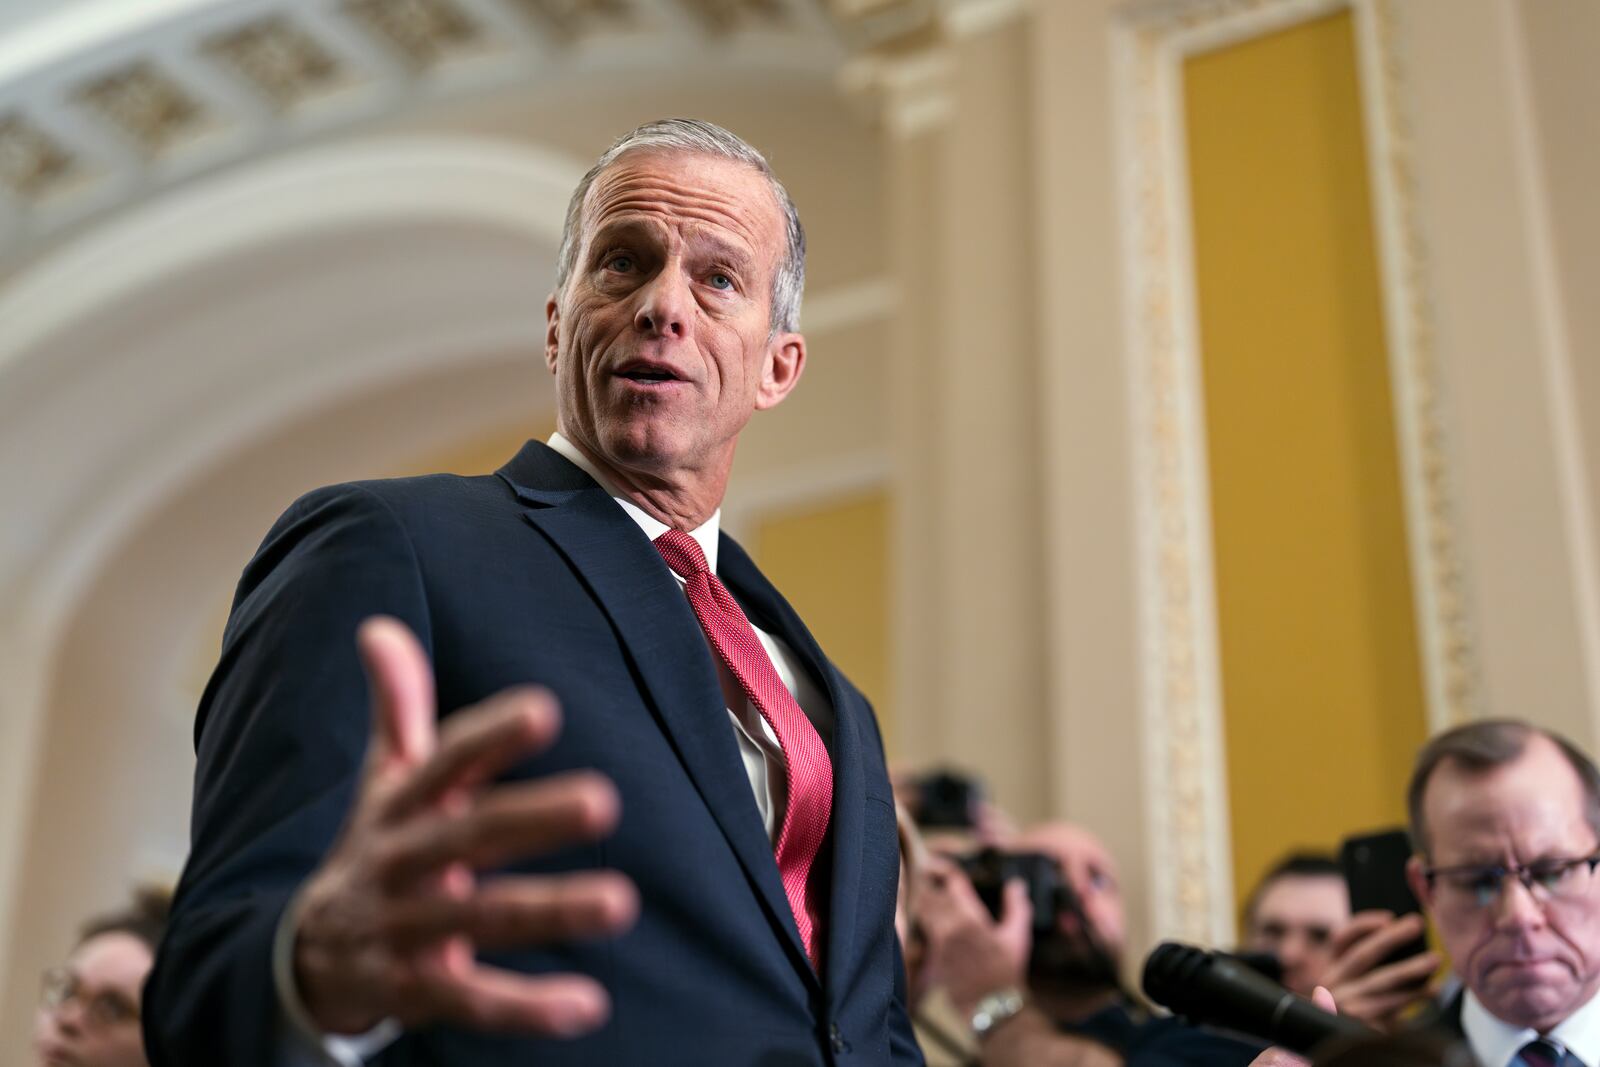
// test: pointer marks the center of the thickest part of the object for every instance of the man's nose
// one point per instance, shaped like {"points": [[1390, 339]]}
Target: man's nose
{"points": [[1517, 907], [665, 306], [69, 1016]]}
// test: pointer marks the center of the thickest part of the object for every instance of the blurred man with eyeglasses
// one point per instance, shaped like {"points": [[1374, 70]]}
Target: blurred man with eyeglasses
{"points": [[1505, 819], [89, 1009]]}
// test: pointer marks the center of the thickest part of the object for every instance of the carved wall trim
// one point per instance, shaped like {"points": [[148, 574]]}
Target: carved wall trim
{"points": [[1189, 849]]}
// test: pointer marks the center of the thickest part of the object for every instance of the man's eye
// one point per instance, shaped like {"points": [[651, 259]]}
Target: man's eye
{"points": [[721, 281], [1551, 875], [1485, 886], [620, 263]]}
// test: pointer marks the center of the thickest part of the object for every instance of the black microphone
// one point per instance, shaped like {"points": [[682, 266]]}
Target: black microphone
{"points": [[1208, 987]]}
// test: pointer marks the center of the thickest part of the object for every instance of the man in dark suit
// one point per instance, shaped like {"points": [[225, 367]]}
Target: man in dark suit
{"points": [[1505, 821], [701, 867]]}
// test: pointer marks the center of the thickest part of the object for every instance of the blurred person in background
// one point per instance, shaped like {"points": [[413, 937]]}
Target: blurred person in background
{"points": [[1300, 914], [1293, 914], [1054, 1000], [90, 1008]]}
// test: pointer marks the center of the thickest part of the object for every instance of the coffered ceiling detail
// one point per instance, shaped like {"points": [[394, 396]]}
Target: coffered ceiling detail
{"points": [[99, 109]]}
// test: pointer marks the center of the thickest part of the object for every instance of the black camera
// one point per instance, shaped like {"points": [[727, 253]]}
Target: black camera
{"points": [[945, 800], [989, 869]]}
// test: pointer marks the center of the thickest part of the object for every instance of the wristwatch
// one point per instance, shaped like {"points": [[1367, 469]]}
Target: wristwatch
{"points": [[994, 1009]]}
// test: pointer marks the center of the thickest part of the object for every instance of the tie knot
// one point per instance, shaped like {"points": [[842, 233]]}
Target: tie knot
{"points": [[1543, 1052], [682, 553]]}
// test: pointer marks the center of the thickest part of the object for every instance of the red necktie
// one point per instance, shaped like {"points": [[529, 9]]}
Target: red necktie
{"points": [[810, 772]]}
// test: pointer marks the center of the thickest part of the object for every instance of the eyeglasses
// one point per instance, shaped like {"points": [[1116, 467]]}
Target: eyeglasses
{"points": [[1481, 885], [101, 1008]]}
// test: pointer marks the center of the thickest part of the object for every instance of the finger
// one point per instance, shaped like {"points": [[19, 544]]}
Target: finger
{"points": [[1372, 949], [1016, 910], [507, 823], [1360, 925], [516, 912], [477, 744], [488, 998], [1277, 1057], [1323, 999], [401, 685], [1405, 975], [1377, 1008]]}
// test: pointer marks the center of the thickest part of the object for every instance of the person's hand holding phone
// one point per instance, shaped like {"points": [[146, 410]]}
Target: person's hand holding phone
{"points": [[1365, 982]]}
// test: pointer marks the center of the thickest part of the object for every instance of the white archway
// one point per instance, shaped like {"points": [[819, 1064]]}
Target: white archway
{"points": [[208, 327]]}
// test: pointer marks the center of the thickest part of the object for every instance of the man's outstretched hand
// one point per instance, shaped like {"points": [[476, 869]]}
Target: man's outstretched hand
{"points": [[389, 925]]}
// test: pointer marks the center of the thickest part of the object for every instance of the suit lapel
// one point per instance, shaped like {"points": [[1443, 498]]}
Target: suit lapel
{"points": [[663, 639], [772, 613]]}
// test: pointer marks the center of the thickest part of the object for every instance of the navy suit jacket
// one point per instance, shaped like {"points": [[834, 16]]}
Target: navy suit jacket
{"points": [[533, 575]]}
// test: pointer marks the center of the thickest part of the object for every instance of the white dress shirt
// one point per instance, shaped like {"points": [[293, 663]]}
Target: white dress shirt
{"points": [[759, 748], [1496, 1042]]}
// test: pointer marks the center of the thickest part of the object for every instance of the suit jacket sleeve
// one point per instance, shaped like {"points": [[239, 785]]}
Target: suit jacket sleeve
{"points": [[280, 736]]}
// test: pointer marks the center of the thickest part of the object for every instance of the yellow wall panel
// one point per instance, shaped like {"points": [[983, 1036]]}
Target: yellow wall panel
{"points": [[1321, 678], [483, 454], [831, 562]]}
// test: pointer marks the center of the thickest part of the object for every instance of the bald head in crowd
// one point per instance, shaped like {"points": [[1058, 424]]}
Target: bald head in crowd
{"points": [[1091, 871]]}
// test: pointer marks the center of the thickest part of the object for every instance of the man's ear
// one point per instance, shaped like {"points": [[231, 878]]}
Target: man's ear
{"points": [[785, 362], [1419, 882], [552, 331]]}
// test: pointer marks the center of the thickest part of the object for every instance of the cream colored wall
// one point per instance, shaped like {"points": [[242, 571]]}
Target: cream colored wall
{"points": [[1559, 40]]}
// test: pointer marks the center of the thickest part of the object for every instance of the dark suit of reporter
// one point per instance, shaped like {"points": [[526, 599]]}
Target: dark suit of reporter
{"points": [[682, 261]]}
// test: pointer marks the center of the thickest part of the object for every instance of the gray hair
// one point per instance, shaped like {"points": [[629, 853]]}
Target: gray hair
{"points": [[1482, 746], [703, 138]]}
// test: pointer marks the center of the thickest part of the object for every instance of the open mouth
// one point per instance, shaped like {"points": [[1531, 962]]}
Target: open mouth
{"points": [[648, 374]]}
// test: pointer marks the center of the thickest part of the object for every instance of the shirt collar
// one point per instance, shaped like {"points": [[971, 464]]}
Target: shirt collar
{"points": [[705, 534], [1496, 1042]]}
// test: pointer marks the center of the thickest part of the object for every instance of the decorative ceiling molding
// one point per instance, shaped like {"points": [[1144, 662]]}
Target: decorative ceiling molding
{"points": [[100, 108], [901, 54]]}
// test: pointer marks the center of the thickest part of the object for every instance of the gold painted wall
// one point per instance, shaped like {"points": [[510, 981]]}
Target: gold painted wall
{"points": [[831, 562], [1322, 690], [483, 454]]}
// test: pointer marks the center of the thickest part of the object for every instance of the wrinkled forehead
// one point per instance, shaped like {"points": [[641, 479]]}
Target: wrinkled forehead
{"points": [[1533, 805], [686, 192]]}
